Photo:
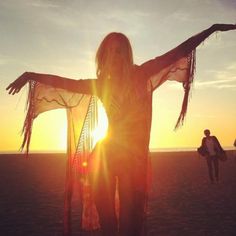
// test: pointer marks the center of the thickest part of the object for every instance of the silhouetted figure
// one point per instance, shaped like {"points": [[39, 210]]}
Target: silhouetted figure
{"points": [[212, 148], [125, 89]]}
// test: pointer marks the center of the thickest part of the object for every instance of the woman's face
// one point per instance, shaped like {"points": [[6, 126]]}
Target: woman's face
{"points": [[114, 57], [117, 58]]}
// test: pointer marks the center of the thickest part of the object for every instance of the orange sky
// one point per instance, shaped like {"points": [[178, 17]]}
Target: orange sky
{"points": [[62, 38]]}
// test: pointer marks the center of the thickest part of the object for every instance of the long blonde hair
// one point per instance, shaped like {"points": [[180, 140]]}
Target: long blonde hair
{"points": [[103, 56]]}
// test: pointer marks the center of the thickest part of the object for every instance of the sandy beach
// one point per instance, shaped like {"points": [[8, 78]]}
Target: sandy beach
{"points": [[182, 201]]}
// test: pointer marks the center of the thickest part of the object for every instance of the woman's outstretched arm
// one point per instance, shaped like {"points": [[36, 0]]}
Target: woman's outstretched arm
{"points": [[154, 66], [78, 86]]}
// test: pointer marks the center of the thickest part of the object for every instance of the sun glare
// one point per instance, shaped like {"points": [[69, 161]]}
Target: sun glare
{"points": [[101, 130], [98, 133]]}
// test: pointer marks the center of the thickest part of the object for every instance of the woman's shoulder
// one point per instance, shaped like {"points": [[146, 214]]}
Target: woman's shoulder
{"points": [[138, 71], [136, 68]]}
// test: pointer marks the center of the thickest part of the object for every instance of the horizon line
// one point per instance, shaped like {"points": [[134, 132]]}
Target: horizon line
{"points": [[181, 149]]}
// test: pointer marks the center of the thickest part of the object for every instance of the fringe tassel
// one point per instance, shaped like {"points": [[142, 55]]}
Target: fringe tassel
{"points": [[187, 86], [84, 145], [28, 123]]}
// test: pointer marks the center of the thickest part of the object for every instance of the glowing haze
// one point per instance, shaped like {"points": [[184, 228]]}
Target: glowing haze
{"points": [[61, 37]]}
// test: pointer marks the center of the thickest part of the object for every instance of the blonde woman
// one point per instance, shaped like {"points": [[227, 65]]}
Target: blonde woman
{"points": [[125, 89]]}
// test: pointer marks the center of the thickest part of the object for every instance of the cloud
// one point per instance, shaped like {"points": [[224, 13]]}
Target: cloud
{"points": [[232, 67], [219, 84], [43, 4], [219, 79], [7, 61]]}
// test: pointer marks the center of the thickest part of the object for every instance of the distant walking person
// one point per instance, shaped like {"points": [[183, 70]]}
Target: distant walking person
{"points": [[212, 148]]}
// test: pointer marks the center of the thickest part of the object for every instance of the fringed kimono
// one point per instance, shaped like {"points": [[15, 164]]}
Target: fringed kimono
{"points": [[128, 136]]}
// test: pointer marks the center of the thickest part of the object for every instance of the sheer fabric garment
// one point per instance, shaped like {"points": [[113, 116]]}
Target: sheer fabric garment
{"points": [[129, 115]]}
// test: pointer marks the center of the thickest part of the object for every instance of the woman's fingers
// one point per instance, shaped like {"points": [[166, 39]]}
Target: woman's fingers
{"points": [[12, 90], [16, 86], [224, 27], [9, 86], [228, 27]]}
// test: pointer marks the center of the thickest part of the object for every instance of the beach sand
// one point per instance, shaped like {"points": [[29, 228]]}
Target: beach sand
{"points": [[181, 202]]}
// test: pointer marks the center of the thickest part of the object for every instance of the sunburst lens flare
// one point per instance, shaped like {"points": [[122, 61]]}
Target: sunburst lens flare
{"points": [[100, 131]]}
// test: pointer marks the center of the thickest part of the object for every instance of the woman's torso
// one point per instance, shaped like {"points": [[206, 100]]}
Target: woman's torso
{"points": [[129, 114]]}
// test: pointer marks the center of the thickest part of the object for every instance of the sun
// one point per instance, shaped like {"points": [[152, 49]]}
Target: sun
{"points": [[97, 134], [100, 131]]}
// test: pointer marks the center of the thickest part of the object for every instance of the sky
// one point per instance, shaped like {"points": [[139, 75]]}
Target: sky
{"points": [[61, 37]]}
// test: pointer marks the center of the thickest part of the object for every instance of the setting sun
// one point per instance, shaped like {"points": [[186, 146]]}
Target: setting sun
{"points": [[101, 130]]}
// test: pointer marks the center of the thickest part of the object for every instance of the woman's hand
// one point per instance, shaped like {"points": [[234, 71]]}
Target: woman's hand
{"points": [[223, 27], [16, 86]]}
